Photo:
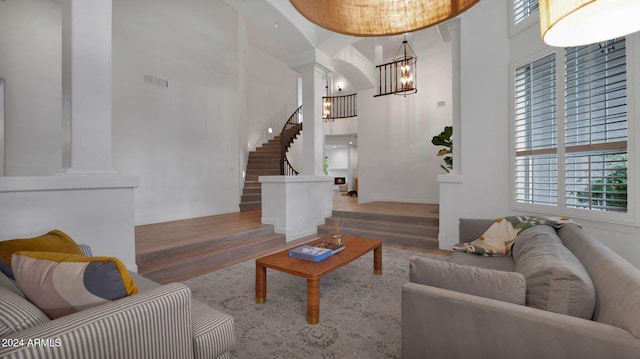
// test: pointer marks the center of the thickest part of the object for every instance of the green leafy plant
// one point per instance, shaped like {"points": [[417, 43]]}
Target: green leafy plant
{"points": [[444, 139], [610, 191]]}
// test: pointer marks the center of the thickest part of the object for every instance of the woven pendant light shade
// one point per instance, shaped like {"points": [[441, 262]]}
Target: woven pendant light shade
{"points": [[566, 23], [379, 17]]}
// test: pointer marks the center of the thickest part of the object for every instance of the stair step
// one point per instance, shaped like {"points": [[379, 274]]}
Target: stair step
{"points": [[424, 221], [267, 152], [251, 206], [253, 171], [417, 242], [251, 190], [265, 165], [254, 175], [252, 184], [251, 197], [211, 242], [207, 261], [269, 149], [399, 227]]}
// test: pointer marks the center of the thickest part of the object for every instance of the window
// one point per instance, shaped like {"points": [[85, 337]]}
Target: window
{"points": [[596, 126], [573, 154], [536, 132], [523, 8]]}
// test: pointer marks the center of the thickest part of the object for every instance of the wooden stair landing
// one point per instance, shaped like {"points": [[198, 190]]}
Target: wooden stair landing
{"points": [[412, 226], [179, 250]]}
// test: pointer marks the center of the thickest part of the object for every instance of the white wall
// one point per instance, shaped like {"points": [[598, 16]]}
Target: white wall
{"points": [[188, 142], [484, 122], [338, 157], [271, 95], [30, 63], [397, 161], [181, 141]]}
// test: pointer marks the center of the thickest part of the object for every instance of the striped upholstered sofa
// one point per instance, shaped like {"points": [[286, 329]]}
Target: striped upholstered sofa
{"points": [[161, 321]]}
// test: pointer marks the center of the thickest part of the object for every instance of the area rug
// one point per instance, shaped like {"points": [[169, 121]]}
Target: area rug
{"points": [[359, 311]]}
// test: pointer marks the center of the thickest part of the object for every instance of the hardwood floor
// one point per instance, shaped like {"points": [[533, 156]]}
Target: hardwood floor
{"points": [[347, 203], [178, 250]]}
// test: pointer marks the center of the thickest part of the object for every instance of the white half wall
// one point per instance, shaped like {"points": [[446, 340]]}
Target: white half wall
{"points": [[296, 205], [93, 210]]}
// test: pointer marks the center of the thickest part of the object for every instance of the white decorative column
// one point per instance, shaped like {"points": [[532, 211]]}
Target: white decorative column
{"points": [[450, 183], [86, 86], [312, 91], [450, 31]]}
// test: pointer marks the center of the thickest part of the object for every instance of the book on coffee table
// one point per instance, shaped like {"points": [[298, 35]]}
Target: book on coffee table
{"points": [[310, 253], [335, 248]]}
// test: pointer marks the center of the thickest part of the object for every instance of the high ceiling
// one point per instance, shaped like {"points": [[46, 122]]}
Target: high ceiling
{"points": [[277, 28]]}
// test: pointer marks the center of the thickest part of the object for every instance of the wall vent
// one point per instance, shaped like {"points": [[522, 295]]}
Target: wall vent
{"points": [[155, 81]]}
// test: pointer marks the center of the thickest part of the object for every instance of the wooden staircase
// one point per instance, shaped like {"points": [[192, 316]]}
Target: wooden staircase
{"points": [[268, 160], [179, 250], [407, 231], [264, 161]]}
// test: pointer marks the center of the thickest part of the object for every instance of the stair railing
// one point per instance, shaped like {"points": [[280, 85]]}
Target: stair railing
{"points": [[288, 168], [339, 107], [290, 130]]}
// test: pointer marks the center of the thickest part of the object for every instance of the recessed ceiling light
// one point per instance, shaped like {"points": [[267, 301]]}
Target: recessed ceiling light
{"points": [[276, 25]]}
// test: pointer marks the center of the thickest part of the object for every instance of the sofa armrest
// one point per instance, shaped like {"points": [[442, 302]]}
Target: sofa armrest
{"points": [[152, 324], [440, 323]]}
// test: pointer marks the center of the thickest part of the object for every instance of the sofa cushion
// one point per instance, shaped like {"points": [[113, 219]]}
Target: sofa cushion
{"points": [[60, 284], [556, 280], [17, 313], [488, 283], [54, 241], [617, 281]]}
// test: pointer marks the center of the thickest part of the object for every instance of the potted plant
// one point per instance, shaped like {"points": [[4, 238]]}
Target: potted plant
{"points": [[444, 139]]}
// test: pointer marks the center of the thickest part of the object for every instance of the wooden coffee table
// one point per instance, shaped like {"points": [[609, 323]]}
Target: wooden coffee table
{"points": [[355, 247]]}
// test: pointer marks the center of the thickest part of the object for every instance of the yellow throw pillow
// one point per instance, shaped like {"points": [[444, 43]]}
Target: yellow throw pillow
{"points": [[54, 241], [60, 284]]}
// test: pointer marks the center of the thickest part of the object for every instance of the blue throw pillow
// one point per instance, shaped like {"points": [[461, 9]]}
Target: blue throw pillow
{"points": [[4, 268]]}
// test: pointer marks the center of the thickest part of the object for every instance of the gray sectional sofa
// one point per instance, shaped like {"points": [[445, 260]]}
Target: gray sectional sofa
{"points": [[162, 321], [562, 294]]}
